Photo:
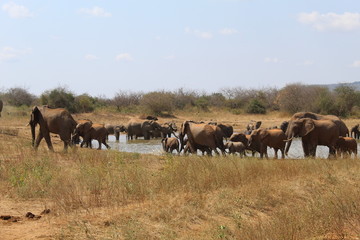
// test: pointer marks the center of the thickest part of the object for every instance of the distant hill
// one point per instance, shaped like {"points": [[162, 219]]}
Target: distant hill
{"points": [[355, 85]]}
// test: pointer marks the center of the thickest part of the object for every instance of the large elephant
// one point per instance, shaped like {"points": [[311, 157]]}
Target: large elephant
{"points": [[51, 120], [204, 135], [314, 133], [91, 131], [114, 130], [1, 106], [343, 130], [274, 138], [141, 128]]}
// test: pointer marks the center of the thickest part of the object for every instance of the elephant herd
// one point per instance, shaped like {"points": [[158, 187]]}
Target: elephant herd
{"points": [[313, 129]]}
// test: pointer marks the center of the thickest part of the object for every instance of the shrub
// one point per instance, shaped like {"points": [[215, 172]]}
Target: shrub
{"points": [[59, 98], [18, 97], [84, 103], [255, 106], [158, 102]]}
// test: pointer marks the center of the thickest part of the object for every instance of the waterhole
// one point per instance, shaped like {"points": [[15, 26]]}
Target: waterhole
{"points": [[153, 146]]}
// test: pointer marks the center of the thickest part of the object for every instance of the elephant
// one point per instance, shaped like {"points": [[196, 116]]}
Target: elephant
{"points": [[51, 120], [91, 131], [205, 135], [187, 149], [313, 133], [76, 137], [284, 125], [235, 147], [227, 130], [274, 138], [141, 128], [241, 137], [166, 129], [346, 145], [355, 132], [170, 144], [1, 106], [343, 130], [253, 125], [114, 130]]}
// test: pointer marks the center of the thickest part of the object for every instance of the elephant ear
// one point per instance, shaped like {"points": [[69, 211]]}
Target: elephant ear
{"points": [[183, 127], [35, 114], [308, 126]]}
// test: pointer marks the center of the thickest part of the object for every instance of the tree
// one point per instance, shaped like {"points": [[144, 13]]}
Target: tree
{"points": [[59, 98], [18, 97]]}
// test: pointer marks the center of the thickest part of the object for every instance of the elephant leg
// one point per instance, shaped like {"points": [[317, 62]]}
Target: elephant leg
{"points": [[276, 153], [117, 136], [39, 137], [282, 153], [305, 148]]}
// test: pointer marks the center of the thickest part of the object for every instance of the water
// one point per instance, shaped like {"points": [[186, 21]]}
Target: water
{"points": [[154, 146]]}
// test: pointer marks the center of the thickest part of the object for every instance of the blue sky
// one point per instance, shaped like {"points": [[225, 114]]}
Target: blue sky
{"points": [[101, 47]]}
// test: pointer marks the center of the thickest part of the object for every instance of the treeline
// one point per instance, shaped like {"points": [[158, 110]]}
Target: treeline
{"points": [[342, 101]]}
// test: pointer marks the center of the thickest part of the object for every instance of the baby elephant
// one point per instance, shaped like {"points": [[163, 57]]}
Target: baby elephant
{"points": [[89, 131], [346, 145], [170, 144], [236, 147]]}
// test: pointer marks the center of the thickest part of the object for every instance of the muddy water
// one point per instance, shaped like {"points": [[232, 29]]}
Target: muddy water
{"points": [[154, 147]]}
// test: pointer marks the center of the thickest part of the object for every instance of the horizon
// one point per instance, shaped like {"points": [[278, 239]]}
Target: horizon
{"points": [[100, 48]]}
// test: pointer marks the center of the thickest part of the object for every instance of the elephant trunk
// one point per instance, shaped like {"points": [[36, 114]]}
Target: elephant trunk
{"points": [[181, 138], [32, 126], [288, 144]]}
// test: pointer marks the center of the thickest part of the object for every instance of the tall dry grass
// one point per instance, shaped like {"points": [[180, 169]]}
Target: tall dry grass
{"points": [[115, 195]]}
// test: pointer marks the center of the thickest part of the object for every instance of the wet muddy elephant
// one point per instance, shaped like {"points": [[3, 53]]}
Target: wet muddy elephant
{"points": [[141, 128], [343, 130], [51, 120], [314, 133]]}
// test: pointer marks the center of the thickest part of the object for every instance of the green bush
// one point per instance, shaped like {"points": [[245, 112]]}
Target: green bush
{"points": [[255, 106], [59, 98]]}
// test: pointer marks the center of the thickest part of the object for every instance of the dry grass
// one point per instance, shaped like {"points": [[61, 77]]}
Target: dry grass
{"points": [[113, 195]]}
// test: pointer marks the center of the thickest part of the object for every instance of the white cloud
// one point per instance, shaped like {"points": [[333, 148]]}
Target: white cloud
{"points": [[9, 53], [331, 21], [198, 33], [16, 11], [90, 57], [271, 60], [356, 64], [96, 12], [124, 57], [228, 31]]}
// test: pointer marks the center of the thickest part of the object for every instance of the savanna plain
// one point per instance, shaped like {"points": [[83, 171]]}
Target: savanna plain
{"points": [[109, 194]]}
